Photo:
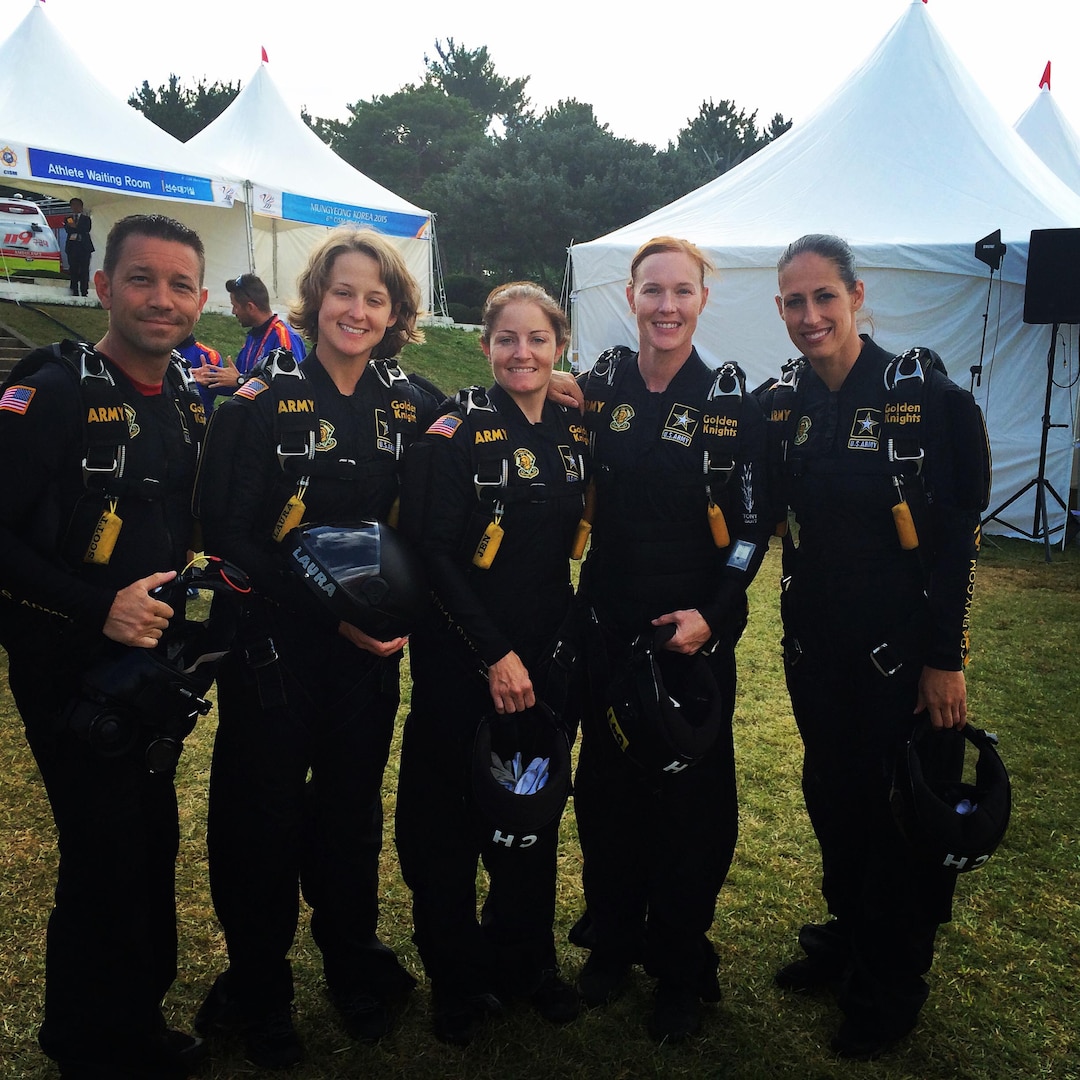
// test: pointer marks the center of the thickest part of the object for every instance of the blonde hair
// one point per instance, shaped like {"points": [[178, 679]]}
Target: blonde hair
{"points": [[404, 293]]}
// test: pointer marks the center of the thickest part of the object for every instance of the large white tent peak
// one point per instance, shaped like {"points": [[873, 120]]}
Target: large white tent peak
{"points": [[298, 186], [907, 150], [262, 139], [1044, 127]]}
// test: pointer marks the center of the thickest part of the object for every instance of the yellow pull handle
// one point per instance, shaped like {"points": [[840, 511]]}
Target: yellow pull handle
{"points": [[718, 526], [905, 527], [488, 547]]}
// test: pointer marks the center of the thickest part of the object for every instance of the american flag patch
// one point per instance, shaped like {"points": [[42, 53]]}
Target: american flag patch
{"points": [[17, 399], [445, 426], [251, 388]]}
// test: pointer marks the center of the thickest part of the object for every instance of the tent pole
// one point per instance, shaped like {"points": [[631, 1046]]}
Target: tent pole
{"points": [[249, 224]]}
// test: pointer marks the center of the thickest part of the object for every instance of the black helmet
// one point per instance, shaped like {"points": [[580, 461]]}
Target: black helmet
{"points": [[951, 824], [535, 733], [664, 709], [366, 574]]}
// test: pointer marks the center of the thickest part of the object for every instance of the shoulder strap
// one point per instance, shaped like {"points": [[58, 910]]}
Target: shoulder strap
{"points": [[489, 445]]}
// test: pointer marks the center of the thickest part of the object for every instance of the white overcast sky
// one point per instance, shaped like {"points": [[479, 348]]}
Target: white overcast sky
{"points": [[645, 65]]}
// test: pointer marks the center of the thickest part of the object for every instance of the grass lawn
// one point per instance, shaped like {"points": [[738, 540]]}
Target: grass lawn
{"points": [[449, 358], [1005, 988]]}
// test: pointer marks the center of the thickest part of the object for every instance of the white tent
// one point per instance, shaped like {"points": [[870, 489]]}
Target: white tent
{"points": [[911, 164], [60, 128], [1044, 128], [298, 187]]}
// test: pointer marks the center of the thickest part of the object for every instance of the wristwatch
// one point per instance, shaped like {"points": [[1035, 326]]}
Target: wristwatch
{"points": [[240, 380]]}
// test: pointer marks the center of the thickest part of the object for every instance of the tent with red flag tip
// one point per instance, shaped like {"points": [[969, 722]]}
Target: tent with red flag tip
{"points": [[296, 188], [911, 164], [1045, 129]]}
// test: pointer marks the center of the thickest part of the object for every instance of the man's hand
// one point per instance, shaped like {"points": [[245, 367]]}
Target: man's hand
{"points": [[510, 685], [564, 390], [136, 618], [692, 632], [216, 377], [369, 644], [944, 694]]}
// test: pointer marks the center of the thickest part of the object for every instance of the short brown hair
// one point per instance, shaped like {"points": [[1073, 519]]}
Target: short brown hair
{"points": [[659, 244], [249, 289], [404, 293], [156, 227], [526, 292]]}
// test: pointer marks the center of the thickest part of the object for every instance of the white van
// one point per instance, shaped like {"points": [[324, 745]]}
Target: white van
{"points": [[28, 246]]}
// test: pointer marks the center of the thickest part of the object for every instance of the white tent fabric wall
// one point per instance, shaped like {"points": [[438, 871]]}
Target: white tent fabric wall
{"points": [[1045, 129], [287, 166], [910, 163], [71, 123]]}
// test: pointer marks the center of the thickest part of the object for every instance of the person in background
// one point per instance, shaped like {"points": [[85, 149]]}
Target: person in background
{"points": [[79, 247], [83, 557], [882, 464], [674, 548], [266, 332], [491, 650], [308, 702]]}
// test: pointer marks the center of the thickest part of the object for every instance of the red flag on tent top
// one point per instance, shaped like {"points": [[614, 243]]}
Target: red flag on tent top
{"points": [[265, 59], [1045, 80]]}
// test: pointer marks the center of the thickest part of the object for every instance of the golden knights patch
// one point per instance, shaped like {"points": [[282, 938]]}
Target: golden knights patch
{"points": [[525, 460]]}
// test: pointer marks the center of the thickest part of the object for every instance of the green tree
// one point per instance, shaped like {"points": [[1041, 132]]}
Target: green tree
{"points": [[511, 208], [183, 111], [403, 139], [470, 74], [719, 138]]}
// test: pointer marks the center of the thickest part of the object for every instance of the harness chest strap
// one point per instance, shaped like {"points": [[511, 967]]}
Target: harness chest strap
{"points": [[106, 432], [297, 429], [904, 381], [719, 435], [491, 459]]}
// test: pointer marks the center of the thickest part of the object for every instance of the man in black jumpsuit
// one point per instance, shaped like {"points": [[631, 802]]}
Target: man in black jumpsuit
{"points": [[657, 848], [76, 593]]}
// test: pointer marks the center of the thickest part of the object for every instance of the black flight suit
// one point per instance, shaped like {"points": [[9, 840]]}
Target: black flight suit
{"points": [[849, 588], [111, 953], [517, 604], [323, 706], [657, 849]]}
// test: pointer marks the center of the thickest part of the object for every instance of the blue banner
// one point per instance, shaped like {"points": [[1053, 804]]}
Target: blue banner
{"points": [[321, 212], [130, 179]]}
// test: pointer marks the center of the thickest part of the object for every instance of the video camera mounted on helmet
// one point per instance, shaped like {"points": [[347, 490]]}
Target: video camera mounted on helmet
{"points": [[149, 700]]}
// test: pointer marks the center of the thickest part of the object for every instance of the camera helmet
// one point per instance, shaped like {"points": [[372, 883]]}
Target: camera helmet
{"points": [[366, 574], [665, 709], [949, 823], [514, 819]]}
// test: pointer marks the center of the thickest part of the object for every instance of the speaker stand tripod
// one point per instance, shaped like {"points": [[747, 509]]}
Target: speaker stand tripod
{"points": [[1040, 526]]}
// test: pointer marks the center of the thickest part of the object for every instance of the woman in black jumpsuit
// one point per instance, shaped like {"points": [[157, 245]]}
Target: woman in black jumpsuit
{"points": [[303, 691], [875, 629], [489, 649], [657, 847]]}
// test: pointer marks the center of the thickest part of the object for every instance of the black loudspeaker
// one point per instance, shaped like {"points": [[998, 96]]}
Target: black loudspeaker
{"points": [[1052, 292]]}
